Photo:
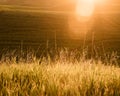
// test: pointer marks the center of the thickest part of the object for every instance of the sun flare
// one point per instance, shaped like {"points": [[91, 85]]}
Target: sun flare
{"points": [[85, 8]]}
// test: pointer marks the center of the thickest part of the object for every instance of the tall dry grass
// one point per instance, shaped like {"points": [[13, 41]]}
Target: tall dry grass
{"points": [[68, 74], [60, 79]]}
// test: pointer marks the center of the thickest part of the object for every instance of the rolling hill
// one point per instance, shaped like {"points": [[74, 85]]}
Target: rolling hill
{"points": [[34, 26]]}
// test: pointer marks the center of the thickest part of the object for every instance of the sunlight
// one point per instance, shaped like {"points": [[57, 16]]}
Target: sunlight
{"points": [[84, 8], [82, 21]]}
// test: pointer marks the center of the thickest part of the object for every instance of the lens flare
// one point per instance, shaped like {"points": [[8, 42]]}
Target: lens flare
{"points": [[84, 8], [82, 21]]}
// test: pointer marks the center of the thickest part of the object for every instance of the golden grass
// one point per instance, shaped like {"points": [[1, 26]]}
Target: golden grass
{"points": [[60, 79]]}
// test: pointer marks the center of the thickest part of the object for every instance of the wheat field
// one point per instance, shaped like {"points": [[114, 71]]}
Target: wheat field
{"points": [[60, 79], [62, 72]]}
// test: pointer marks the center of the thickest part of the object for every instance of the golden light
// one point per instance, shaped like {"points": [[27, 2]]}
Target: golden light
{"points": [[83, 13], [82, 21], [85, 8]]}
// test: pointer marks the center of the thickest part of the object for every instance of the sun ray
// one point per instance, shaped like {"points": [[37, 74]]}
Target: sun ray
{"points": [[84, 8]]}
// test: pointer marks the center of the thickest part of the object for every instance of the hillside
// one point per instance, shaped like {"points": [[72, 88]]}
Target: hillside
{"points": [[55, 5], [34, 27]]}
